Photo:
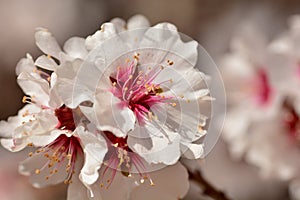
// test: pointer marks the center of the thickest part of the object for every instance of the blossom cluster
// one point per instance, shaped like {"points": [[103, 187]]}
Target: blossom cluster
{"points": [[110, 115], [262, 80]]}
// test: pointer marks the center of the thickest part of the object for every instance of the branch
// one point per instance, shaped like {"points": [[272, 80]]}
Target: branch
{"points": [[208, 189]]}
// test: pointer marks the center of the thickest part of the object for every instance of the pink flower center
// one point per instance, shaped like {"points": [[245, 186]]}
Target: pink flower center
{"points": [[65, 118], [262, 88], [137, 90], [291, 120], [121, 157], [63, 151]]}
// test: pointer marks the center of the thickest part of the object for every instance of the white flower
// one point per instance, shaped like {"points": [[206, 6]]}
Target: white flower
{"points": [[148, 90], [285, 59], [251, 94], [106, 112], [46, 123]]}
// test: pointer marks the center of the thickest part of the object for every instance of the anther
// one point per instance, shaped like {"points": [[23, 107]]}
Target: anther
{"points": [[170, 62]]}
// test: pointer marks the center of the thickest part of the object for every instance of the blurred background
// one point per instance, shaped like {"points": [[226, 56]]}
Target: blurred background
{"points": [[211, 22]]}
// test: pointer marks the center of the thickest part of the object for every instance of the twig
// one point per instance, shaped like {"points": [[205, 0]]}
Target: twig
{"points": [[208, 189]]}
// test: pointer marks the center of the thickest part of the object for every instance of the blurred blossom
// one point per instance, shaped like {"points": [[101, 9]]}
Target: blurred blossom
{"points": [[285, 60], [251, 97], [263, 123]]}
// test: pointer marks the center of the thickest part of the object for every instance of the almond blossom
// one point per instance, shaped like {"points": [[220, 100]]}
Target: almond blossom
{"points": [[252, 97], [112, 114], [45, 123]]}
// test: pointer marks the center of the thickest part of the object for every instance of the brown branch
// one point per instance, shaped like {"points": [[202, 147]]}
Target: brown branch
{"points": [[208, 189]]}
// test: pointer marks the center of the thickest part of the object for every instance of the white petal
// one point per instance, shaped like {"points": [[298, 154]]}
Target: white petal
{"points": [[95, 149], [250, 37], [119, 23], [47, 43], [55, 98], [282, 45], [155, 144], [164, 37], [9, 144], [24, 115], [170, 183], [75, 47], [111, 117], [137, 21], [45, 122], [37, 88], [108, 30], [186, 120], [191, 151], [45, 139], [189, 83], [77, 191], [25, 65], [235, 132], [119, 189], [46, 63], [66, 86]]}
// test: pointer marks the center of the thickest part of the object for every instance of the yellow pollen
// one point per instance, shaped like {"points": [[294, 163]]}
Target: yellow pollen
{"points": [[114, 83], [24, 100], [69, 156], [170, 62], [200, 129], [116, 145], [174, 104], [101, 185], [136, 57], [142, 180], [37, 171], [30, 154], [30, 145], [26, 112], [127, 60], [48, 56], [151, 183]]}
